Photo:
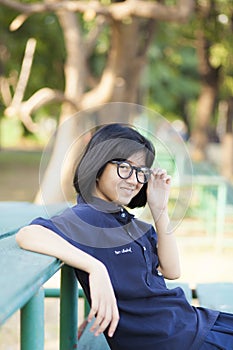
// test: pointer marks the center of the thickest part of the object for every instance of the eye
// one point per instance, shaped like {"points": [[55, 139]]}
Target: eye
{"points": [[124, 166]]}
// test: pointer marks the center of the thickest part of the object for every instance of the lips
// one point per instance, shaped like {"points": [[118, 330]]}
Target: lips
{"points": [[128, 189]]}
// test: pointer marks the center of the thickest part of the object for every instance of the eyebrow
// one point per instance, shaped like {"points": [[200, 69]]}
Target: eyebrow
{"points": [[138, 166]]}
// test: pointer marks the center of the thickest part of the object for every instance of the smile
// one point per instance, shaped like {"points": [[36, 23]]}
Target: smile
{"points": [[129, 190]]}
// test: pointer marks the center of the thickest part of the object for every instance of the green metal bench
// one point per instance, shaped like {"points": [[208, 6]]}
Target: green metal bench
{"points": [[23, 274], [14, 215], [216, 296], [185, 286]]}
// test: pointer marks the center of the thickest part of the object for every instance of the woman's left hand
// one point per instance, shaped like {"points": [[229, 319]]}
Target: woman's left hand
{"points": [[158, 189]]}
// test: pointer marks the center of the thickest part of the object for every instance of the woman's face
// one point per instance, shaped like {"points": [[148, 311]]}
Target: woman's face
{"points": [[110, 187]]}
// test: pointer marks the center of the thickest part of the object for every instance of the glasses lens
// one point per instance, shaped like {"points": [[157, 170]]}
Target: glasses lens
{"points": [[143, 175], [124, 170]]}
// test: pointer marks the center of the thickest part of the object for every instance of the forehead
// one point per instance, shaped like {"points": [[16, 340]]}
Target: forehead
{"points": [[138, 158]]}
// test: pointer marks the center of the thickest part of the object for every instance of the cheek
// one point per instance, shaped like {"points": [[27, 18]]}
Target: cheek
{"points": [[109, 181], [108, 177]]}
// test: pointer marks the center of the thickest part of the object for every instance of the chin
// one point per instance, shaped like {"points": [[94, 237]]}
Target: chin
{"points": [[124, 201]]}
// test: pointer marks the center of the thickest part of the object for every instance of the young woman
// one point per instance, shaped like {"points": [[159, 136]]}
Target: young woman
{"points": [[121, 262]]}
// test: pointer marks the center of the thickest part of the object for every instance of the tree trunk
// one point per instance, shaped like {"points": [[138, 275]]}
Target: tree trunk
{"points": [[130, 57], [209, 77], [119, 83], [227, 144], [56, 186]]}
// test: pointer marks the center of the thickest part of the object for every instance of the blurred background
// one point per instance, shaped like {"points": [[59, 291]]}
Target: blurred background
{"points": [[173, 57]]}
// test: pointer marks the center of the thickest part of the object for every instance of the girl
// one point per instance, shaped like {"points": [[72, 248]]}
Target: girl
{"points": [[121, 262]]}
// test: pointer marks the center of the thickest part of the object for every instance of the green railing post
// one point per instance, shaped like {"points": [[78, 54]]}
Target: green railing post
{"points": [[68, 309], [32, 323], [86, 307]]}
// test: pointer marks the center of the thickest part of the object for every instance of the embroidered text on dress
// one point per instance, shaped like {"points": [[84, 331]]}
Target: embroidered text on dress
{"points": [[123, 251]]}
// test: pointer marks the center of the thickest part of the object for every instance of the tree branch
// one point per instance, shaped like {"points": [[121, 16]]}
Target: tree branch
{"points": [[94, 34], [5, 91], [38, 99], [43, 97], [117, 11], [101, 93], [25, 72]]}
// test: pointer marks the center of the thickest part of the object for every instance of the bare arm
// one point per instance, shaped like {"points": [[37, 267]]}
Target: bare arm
{"points": [[103, 303], [157, 196]]}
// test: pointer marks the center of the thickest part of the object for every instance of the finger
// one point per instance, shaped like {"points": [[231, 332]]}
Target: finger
{"points": [[114, 323], [93, 311], [160, 172], [102, 323], [95, 328], [110, 320], [167, 179], [99, 316], [102, 318], [162, 175]]}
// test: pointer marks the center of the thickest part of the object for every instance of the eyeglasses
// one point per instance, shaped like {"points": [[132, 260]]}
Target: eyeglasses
{"points": [[125, 170]]}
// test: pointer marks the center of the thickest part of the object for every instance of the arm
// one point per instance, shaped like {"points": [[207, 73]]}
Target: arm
{"points": [[158, 191], [103, 303]]}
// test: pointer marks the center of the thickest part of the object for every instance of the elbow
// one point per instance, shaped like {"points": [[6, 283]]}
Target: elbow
{"points": [[171, 277], [21, 237], [173, 274]]}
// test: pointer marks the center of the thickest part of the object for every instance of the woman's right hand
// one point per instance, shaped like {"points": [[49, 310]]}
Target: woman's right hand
{"points": [[103, 301]]}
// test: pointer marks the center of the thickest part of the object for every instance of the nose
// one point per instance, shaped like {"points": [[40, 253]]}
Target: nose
{"points": [[133, 179]]}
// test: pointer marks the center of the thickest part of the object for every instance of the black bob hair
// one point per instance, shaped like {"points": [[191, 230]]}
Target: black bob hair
{"points": [[112, 141]]}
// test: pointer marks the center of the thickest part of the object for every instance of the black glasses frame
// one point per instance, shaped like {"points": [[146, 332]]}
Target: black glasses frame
{"points": [[132, 168]]}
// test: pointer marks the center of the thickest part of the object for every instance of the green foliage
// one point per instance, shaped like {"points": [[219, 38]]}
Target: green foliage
{"points": [[171, 79], [47, 68], [219, 31], [11, 132], [170, 82]]}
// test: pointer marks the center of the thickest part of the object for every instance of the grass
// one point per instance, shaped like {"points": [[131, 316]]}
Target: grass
{"points": [[19, 175]]}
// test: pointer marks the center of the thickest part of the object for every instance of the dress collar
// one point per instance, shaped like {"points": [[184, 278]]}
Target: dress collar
{"points": [[117, 210], [101, 205]]}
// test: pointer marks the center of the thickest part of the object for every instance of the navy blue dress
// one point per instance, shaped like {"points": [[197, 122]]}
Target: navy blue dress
{"points": [[152, 317]]}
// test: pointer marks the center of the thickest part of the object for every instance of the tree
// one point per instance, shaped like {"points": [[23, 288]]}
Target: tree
{"points": [[131, 25], [227, 139], [213, 31], [193, 70]]}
